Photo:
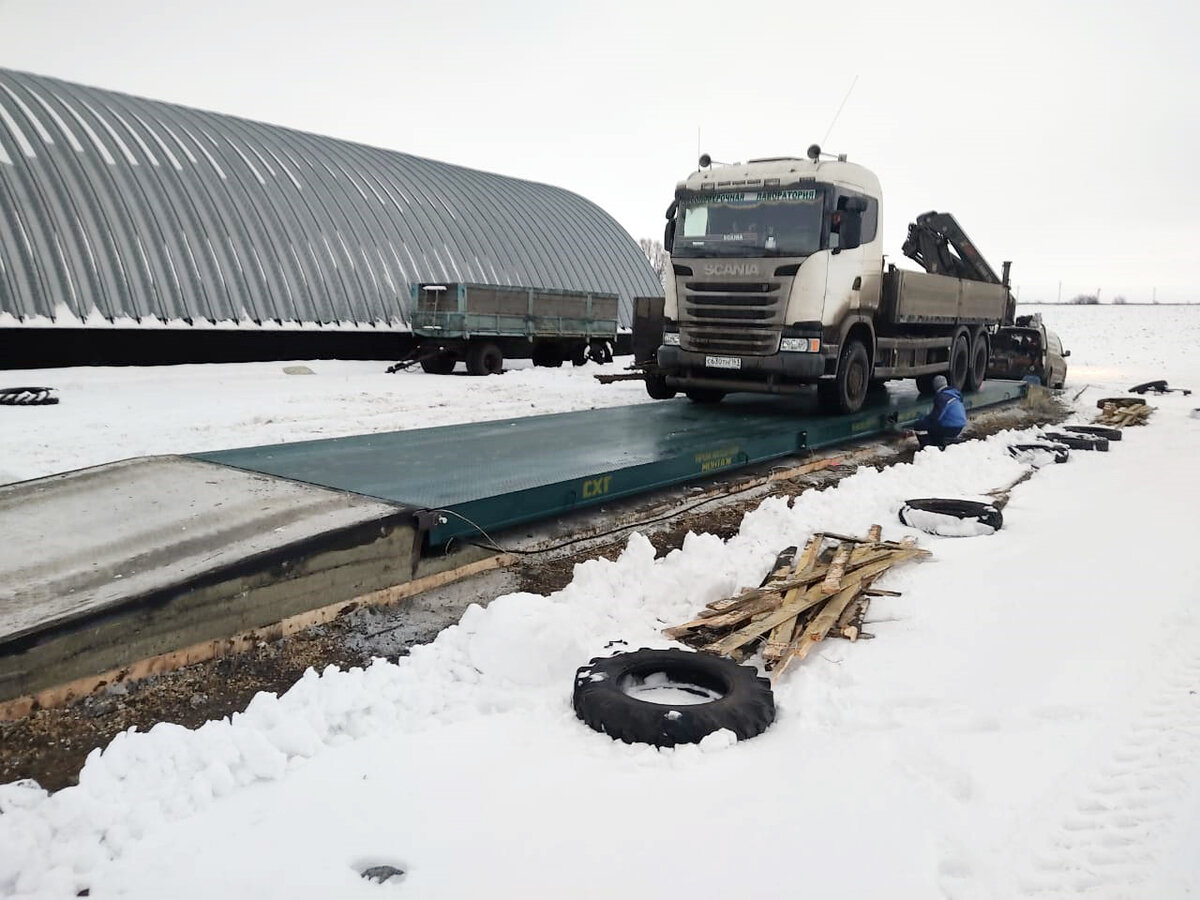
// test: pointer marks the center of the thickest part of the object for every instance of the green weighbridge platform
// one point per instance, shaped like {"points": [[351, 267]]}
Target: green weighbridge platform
{"points": [[143, 564], [487, 476]]}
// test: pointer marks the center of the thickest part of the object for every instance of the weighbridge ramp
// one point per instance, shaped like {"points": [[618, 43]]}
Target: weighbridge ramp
{"points": [[138, 566]]}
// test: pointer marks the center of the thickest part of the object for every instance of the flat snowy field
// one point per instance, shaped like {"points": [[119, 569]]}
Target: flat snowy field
{"points": [[1027, 721]]}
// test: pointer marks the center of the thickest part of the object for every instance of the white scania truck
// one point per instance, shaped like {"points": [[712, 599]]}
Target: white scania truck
{"points": [[778, 282]]}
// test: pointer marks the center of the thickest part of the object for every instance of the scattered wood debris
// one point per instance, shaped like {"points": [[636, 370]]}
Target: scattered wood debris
{"points": [[824, 591], [1123, 415]]}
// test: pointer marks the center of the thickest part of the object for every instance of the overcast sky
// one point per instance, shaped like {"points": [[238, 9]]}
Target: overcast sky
{"points": [[1062, 135]]}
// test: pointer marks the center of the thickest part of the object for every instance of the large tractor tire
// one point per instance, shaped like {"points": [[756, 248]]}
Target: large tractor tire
{"points": [[669, 697]]}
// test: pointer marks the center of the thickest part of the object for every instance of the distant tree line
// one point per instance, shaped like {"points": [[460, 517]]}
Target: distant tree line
{"points": [[658, 257]]}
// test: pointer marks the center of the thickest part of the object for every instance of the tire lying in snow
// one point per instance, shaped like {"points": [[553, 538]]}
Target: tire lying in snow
{"points": [[1078, 441], [951, 518], [1038, 453], [1112, 434], [669, 697]]}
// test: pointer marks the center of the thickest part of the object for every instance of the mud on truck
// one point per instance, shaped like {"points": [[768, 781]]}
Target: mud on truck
{"points": [[778, 282]]}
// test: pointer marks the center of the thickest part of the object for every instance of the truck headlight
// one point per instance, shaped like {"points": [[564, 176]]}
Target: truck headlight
{"points": [[671, 339], [800, 345]]}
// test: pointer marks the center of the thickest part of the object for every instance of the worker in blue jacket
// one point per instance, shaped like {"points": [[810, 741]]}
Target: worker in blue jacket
{"points": [[947, 418]]}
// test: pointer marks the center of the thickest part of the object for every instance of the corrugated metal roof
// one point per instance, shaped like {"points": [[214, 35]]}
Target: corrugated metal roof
{"points": [[113, 207]]}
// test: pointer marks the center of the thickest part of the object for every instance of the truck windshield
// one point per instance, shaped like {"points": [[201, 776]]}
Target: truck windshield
{"points": [[750, 223]]}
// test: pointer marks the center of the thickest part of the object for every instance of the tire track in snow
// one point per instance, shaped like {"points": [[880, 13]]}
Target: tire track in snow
{"points": [[1115, 827]]}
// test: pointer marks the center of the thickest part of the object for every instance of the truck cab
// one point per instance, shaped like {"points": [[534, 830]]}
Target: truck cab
{"points": [[776, 263]]}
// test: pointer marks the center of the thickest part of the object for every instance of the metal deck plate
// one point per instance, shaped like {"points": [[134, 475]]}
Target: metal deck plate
{"points": [[491, 475]]}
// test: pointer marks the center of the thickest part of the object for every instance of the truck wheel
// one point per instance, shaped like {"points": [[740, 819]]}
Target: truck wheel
{"points": [[977, 370], [705, 395], [960, 359], [547, 355], [439, 364], [848, 390], [485, 358], [656, 387]]}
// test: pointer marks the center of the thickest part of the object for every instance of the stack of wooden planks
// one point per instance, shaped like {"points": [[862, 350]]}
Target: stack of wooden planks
{"points": [[807, 597], [1121, 415]]}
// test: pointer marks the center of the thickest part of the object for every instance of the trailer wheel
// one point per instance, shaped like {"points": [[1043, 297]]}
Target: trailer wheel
{"points": [[977, 370], [848, 390], [656, 387], [960, 359], [547, 355], [669, 697], [705, 395], [600, 352], [485, 358], [439, 363]]}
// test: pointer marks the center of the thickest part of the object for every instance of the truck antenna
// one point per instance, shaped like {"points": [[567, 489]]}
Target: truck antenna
{"points": [[839, 110]]}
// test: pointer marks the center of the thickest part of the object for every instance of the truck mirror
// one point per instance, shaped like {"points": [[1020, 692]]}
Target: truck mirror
{"points": [[669, 235], [850, 232], [1066, 353]]}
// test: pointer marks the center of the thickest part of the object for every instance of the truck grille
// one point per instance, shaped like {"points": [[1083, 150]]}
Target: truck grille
{"points": [[734, 318]]}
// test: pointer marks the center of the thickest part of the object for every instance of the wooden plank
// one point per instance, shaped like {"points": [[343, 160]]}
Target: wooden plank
{"points": [[828, 616], [833, 578], [781, 635], [60, 695]]}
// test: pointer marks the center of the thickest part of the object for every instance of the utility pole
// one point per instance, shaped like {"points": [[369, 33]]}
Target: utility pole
{"points": [[1060, 292]]}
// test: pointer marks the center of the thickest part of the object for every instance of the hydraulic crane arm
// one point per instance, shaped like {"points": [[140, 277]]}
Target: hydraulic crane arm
{"points": [[937, 243]]}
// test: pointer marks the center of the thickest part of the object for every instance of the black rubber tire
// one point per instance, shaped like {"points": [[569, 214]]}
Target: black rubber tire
{"points": [[848, 390], [547, 356], [600, 352], [1158, 387], [925, 385], [485, 358], [27, 396], [1120, 402], [706, 396], [960, 362], [1078, 441], [1060, 451], [439, 364], [656, 387], [746, 706], [579, 355], [959, 509], [977, 363], [1112, 434]]}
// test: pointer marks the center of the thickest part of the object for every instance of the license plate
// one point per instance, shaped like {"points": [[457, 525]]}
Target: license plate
{"points": [[722, 362]]}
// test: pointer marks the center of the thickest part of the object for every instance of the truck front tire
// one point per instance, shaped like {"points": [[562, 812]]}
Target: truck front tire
{"points": [[656, 387], [848, 390], [705, 395]]}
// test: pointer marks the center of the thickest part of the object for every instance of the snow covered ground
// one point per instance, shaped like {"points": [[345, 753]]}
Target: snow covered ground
{"points": [[1027, 722]]}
